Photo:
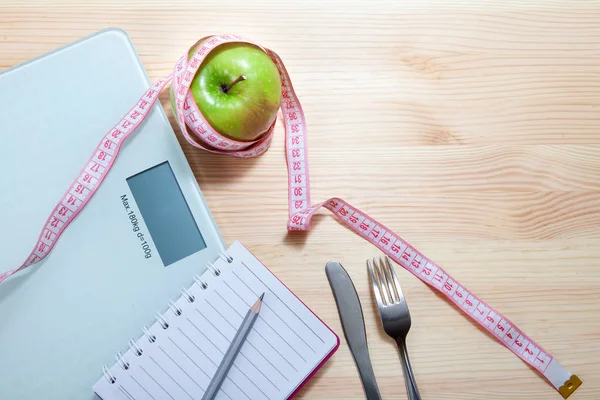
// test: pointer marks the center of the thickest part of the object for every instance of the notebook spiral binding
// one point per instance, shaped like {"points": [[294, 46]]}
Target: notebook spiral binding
{"points": [[161, 319]]}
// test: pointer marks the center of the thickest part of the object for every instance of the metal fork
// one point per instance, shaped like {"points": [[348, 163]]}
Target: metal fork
{"points": [[394, 314]]}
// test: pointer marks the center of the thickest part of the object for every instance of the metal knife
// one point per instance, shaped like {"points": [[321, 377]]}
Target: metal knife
{"points": [[353, 323]]}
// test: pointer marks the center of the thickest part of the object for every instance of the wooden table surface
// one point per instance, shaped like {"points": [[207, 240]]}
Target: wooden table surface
{"points": [[472, 129]]}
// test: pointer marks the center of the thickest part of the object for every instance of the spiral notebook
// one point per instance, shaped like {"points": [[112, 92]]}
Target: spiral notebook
{"points": [[175, 357]]}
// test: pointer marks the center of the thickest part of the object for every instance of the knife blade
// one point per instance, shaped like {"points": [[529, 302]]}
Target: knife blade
{"points": [[353, 324]]}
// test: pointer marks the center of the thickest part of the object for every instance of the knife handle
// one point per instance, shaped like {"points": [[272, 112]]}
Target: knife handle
{"points": [[353, 323]]}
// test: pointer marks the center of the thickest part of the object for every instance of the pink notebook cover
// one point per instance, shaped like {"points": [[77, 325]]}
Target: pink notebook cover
{"points": [[328, 356]]}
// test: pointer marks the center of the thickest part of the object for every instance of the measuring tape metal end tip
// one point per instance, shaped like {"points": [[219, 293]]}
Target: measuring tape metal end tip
{"points": [[569, 386]]}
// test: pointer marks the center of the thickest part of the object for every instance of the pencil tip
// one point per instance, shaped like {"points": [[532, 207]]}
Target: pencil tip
{"points": [[259, 301]]}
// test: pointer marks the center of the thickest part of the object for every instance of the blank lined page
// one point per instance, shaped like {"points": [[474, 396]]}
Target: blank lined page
{"points": [[286, 344]]}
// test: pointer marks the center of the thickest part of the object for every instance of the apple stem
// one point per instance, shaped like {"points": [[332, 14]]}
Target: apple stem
{"points": [[227, 88]]}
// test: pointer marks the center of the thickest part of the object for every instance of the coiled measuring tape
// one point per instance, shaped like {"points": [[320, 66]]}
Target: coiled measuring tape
{"points": [[198, 132]]}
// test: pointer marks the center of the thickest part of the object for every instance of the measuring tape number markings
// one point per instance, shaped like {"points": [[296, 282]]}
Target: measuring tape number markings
{"points": [[198, 132]]}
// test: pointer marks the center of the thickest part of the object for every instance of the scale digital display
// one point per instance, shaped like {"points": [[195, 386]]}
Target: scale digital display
{"points": [[166, 213]]}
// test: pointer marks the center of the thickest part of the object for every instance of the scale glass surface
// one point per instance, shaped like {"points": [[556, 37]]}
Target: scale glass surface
{"points": [[66, 317]]}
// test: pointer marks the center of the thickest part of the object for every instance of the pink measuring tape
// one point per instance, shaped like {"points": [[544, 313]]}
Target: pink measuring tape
{"points": [[200, 134]]}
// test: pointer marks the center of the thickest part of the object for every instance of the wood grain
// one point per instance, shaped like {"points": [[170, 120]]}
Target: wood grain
{"points": [[471, 128]]}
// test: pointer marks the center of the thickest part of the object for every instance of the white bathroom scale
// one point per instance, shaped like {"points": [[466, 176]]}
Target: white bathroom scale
{"points": [[141, 238]]}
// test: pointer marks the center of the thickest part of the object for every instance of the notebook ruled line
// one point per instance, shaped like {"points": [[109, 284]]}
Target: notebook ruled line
{"points": [[126, 393], [140, 385], [196, 364], [262, 373], [213, 363], [230, 306], [274, 348], [206, 337], [251, 381], [269, 361], [218, 312], [265, 321], [239, 388], [213, 325], [189, 358], [260, 317], [248, 339], [274, 312], [179, 366], [171, 377], [155, 381], [243, 354], [283, 302], [195, 345], [220, 351], [258, 333]]}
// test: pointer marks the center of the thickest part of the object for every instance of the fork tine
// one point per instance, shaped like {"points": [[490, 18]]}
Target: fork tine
{"points": [[375, 285], [385, 281], [397, 286], [382, 282], [392, 288]]}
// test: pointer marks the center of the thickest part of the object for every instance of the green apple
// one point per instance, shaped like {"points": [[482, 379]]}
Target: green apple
{"points": [[238, 90]]}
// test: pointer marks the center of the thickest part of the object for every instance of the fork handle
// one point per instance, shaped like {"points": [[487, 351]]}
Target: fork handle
{"points": [[409, 377]]}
